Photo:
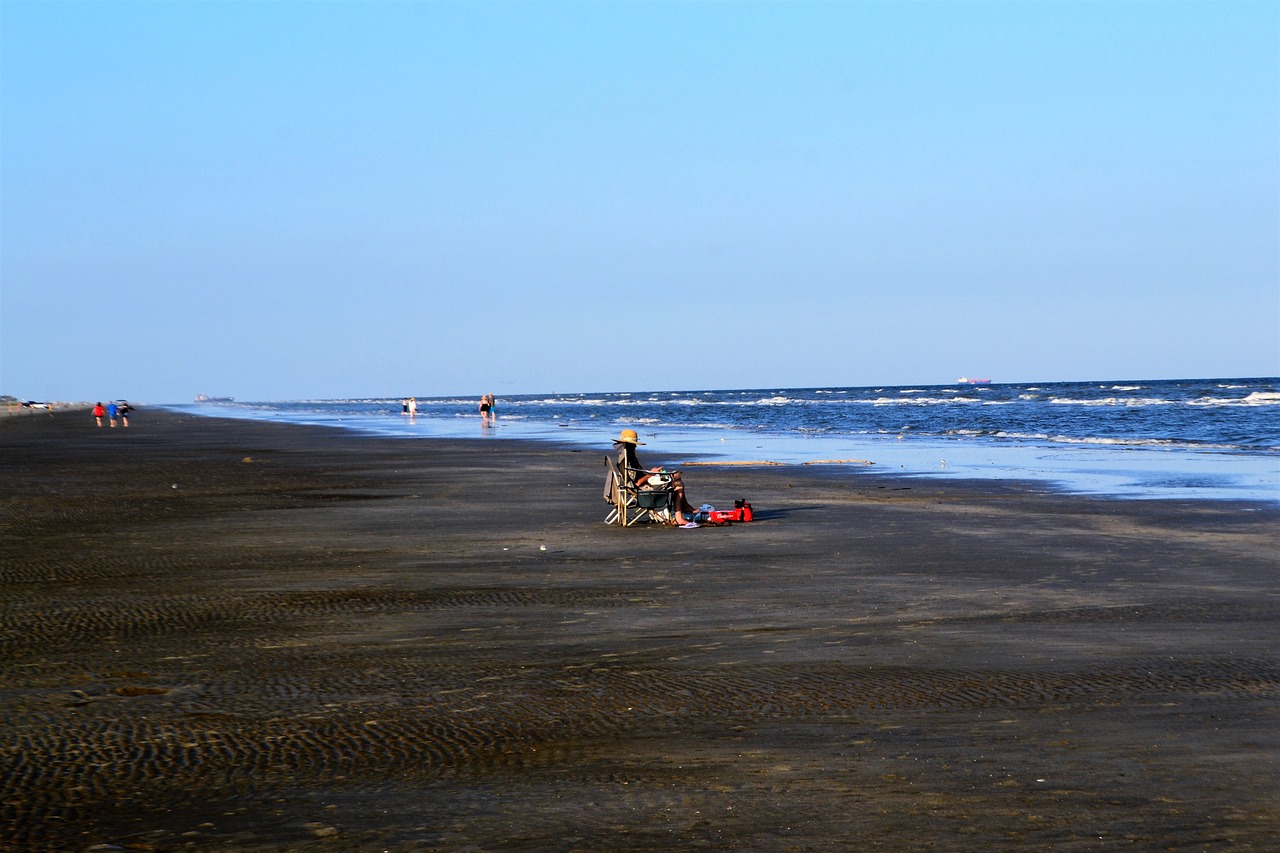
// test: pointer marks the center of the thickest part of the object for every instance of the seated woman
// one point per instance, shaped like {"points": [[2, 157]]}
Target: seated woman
{"points": [[626, 445]]}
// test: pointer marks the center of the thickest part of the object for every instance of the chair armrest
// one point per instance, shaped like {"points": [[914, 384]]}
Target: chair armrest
{"points": [[634, 474]]}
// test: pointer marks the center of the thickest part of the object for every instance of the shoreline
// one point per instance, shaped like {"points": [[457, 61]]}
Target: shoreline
{"points": [[1128, 472], [274, 636]]}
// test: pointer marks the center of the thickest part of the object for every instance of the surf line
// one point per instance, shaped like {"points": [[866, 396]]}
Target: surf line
{"points": [[768, 462]]}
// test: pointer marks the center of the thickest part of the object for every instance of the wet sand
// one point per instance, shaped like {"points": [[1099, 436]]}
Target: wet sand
{"points": [[233, 635]]}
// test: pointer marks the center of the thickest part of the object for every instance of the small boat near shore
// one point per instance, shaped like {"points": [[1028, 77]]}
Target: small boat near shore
{"points": [[964, 380], [205, 398]]}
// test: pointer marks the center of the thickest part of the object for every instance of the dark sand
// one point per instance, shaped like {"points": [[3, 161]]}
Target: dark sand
{"points": [[231, 635]]}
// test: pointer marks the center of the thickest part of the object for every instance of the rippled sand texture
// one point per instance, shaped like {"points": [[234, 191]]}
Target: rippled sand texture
{"points": [[221, 634]]}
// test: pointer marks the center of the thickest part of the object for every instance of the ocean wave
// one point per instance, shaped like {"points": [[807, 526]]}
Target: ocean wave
{"points": [[762, 401], [577, 401], [662, 423], [1168, 443], [1257, 398], [1109, 441], [1114, 401], [918, 401], [629, 401]]}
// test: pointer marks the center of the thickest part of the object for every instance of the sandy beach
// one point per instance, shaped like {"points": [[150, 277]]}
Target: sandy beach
{"points": [[223, 634]]}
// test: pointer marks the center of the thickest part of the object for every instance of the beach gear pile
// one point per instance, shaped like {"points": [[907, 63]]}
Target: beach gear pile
{"points": [[741, 512]]}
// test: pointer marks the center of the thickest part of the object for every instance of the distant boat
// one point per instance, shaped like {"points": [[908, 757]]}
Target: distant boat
{"points": [[964, 380], [205, 398]]}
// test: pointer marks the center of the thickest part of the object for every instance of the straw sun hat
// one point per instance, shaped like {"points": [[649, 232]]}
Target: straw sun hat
{"points": [[628, 436]]}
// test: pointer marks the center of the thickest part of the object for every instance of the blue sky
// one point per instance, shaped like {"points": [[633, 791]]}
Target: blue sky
{"points": [[301, 199]]}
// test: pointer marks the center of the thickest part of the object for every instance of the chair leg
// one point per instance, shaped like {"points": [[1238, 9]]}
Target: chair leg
{"points": [[619, 514]]}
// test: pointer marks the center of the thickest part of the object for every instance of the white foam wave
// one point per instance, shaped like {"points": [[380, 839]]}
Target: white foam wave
{"points": [[632, 402], [1257, 398], [1141, 442], [664, 424], [1102, 441], [579, 401], [917, 401], [1113, 401]]}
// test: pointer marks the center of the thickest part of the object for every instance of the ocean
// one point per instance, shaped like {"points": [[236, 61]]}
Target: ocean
{"points": [[1215, 439]]}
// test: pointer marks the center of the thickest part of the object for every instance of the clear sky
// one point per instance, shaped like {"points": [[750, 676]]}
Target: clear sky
{"points": [[288, 200]]}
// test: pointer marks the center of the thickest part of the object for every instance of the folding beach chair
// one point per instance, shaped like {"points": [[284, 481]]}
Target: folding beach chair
{"points": [[630, 504]]}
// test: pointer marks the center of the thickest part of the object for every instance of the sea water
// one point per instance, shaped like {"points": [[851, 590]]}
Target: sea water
{"points": [[1204, 439]]}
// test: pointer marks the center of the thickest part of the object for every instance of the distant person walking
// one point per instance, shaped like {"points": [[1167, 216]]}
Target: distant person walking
{"points": [[404, 406], [124, 412], [493, 408], [112, 411], [413, 407], [98, 413], [485, 406]]}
